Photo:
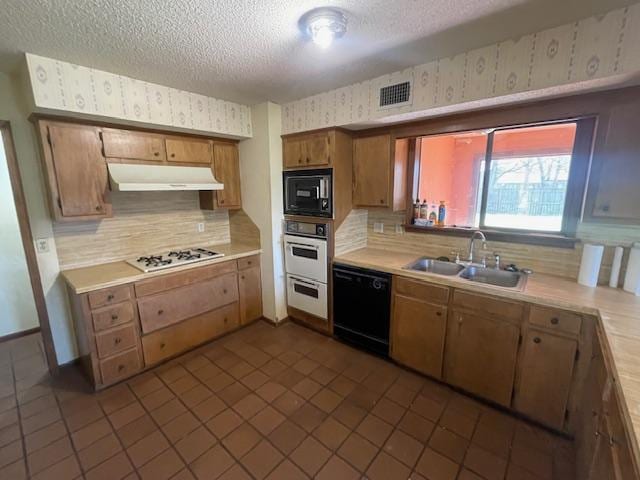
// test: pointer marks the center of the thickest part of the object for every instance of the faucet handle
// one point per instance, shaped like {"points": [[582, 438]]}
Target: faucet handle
{"points": [[456, 255], [496, 258]]}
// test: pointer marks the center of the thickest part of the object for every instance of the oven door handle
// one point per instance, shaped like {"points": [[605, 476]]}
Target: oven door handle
{"points": [[303, 282], [302, 245]]}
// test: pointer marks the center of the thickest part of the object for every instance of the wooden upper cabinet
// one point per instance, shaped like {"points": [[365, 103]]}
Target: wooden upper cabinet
{"points": [[545, 375], [379, 172], [613, 189], [311, 150], [480, 355], [133, 145], [188, 150], [76, 171], [226, 169]]}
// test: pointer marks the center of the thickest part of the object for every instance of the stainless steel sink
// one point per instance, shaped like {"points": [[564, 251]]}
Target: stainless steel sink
{"points": [[491, 276], [429, 265]]}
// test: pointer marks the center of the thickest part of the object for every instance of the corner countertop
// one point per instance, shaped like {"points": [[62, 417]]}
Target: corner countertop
{"points": [[618, 313], [95, 277]]}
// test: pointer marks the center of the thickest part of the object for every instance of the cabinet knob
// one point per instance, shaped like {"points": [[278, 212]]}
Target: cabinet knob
{"points": [[307, 159], [173, 155], [555, 320], [110, 297], [225, 320], [224, 291], [162, 345], [156, 154], [438, 314], [536, 340], [117, 340], [98, 208], [381, 200], [300, 160], [120, 368], [160, 312], [114, 317], [249, 262], [241, 277]]}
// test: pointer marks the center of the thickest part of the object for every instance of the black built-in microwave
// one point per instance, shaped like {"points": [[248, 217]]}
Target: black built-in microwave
{"points": [[308, 192]]}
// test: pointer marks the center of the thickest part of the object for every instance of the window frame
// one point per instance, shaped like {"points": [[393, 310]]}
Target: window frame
{"points": [[574, 198]]}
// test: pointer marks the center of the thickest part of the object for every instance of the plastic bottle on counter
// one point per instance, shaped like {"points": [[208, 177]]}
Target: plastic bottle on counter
{"points": [[442, 212], [433, 215], [424, 209]]}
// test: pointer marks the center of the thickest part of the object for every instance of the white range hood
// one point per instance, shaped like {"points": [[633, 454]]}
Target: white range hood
{"points": [[127, 177]]}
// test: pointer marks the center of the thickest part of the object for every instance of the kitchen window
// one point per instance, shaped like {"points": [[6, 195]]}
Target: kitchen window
{"points": [[520, 180]]}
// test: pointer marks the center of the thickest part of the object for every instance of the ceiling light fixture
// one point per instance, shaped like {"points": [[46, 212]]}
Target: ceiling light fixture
{"points": [[323, 25]]}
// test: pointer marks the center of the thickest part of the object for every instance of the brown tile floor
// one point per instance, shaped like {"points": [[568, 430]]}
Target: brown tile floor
{"points": [[275, 403]]}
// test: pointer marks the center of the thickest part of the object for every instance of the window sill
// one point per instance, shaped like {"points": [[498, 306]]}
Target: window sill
{"points": [[542, 239]]}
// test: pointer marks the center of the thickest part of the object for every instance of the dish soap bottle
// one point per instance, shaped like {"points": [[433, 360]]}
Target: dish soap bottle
{"points": [[424, 209], [433, 215], [442, 212]]}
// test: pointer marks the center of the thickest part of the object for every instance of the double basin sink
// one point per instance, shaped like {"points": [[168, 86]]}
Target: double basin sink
{"points": [[471, 273]]}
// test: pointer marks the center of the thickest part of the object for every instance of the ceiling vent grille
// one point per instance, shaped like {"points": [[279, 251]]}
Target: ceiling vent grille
{"points": [[395, 95]]}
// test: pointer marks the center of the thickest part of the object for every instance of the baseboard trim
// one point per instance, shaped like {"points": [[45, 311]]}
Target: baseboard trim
{"points": [[23, 333], [273, 323]]}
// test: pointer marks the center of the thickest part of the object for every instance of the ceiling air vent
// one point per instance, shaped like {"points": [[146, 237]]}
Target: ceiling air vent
{"points": [[395, 95]]}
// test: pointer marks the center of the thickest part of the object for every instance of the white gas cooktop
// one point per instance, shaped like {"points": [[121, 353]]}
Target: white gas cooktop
{"points": [[173, 258]]}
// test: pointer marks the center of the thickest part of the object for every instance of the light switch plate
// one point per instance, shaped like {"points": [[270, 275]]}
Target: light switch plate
{"points": [[399, 228], [42, 245], [200, 227], [378, 227]]}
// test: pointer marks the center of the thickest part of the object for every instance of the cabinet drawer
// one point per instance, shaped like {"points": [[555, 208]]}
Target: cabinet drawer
{"points": [[493, 306], [422, 291], [121, 366], [108, 317], [248, 262], [109, 296], [190, 333], [167, 308], [181, 279], [559, 320], [116, 340]]}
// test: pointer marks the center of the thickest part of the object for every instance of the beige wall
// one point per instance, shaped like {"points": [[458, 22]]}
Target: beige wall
{"points": [[16, 296], [261, 172], [14, 107]]}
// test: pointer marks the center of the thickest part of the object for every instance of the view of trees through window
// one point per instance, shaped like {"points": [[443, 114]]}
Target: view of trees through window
{"points": [[526, 183]]}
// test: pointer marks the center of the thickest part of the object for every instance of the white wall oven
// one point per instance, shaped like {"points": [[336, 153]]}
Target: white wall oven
{"points": [[306, 263]]}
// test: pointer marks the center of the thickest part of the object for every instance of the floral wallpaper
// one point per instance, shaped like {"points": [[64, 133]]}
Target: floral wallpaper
{"points": [[73, 88], [593, 48]]}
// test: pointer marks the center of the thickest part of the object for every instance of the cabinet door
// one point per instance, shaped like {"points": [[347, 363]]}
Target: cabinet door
{"points": [[480, 355], [603, 464], [292, 152], [316, 150], [545, 374], [616, 166], [250, 294], [79, 171], [226, 168], [418, 332], [133, 145], [371, 171], [188, 150]]}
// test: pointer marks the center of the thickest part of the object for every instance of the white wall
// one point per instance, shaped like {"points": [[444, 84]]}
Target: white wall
{"points": [[16, 297], [14, 108], [261, 172]]}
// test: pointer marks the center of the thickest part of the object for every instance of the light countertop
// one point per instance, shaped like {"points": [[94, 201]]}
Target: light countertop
{"points": [[617, 310], [95, 277]]}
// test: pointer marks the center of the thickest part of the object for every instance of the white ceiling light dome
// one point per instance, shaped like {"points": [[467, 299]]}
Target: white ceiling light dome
{"points": [[323, 25]]}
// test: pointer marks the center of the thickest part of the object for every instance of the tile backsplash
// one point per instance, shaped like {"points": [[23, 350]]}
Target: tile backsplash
{"points": [[142, 223]]}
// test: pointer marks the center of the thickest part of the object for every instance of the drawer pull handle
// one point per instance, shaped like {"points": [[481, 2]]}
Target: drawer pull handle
{"points": [[241, 277], [224, 291], [117, 341], [162, 345], [110, 297], [249, 262], [439, 314], [120, 368], [156, 154], [160, 312], [536, 340], [114, 317], [554, 321]]}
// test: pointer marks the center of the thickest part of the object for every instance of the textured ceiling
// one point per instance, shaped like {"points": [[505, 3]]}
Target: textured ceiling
{"points": [[251, 50]]}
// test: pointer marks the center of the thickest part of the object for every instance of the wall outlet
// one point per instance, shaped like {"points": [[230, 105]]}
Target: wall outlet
{"points": [[42, 245], [200, 227], [399, 228], [378, 227]]}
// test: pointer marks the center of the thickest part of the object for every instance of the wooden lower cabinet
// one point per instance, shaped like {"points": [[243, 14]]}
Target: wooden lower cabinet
{"points": [[125, 329], [545, 374], [178, 338], [249, 285], [480, 355], [418, 330]]}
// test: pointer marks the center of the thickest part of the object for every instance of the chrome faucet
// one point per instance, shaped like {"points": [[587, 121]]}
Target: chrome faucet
{"points": [[476, 234]]}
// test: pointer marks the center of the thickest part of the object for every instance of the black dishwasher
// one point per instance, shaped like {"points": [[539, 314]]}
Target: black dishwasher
{"points": [[361, 307]]}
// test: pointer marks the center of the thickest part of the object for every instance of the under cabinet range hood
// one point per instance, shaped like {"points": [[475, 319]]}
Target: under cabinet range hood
{"points": [[127, 177]]}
